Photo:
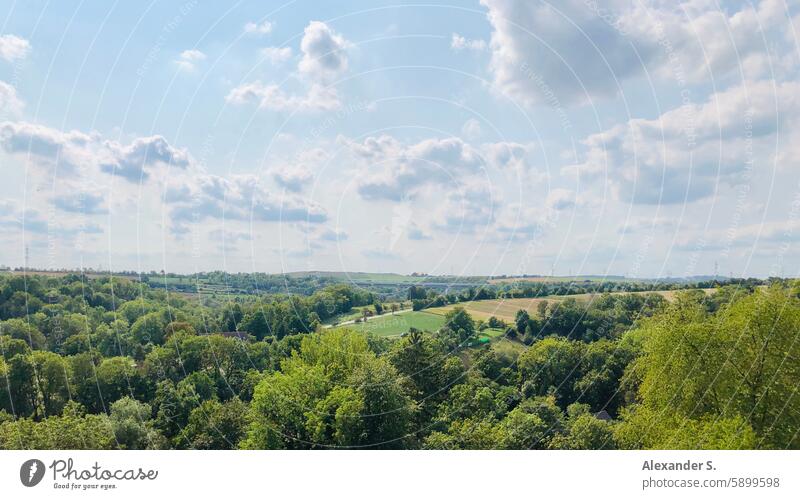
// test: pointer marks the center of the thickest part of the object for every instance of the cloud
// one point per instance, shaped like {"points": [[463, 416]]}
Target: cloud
{"points": [[30, 221], [188, 59], [543, 52], [380, 254], [573, 51], [277, 55], [82, 202], [13, 48], [471, 129], [258, 29], [507, 155], [238, 198], [458, 42], [324, 58], [130, 162], [332, 235], [81, 158], [298, 173], [71, 149], [10, 104], [416, 233], [395, 171], [470, 209], [293, 178], [324, 54], [560, 199], [683, 154], [272, 97], [392, 170], [637, 224]]}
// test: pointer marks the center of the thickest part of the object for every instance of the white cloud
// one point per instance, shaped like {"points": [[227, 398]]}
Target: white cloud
{"points": [[238, 198], [573, 51], [88, 203], [508, 155], [394, 171], [13, 48], [296, 174], [560, 199], [277, 55], [682, 155], [458, 42], [637, 224], [471, 129], [10, 104], [324, 54], [271, 96], [188, 59], [469, 209], [323, 58], [263, 28], [84, 156]]}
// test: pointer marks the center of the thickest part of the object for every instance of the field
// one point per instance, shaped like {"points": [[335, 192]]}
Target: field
{"points": [[553, 279], [506, 309], [395, 325]]}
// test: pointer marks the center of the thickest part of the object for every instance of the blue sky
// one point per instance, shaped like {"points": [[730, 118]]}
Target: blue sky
{"points": [[647, 138]]}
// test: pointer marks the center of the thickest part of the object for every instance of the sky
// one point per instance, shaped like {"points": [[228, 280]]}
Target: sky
{"points": [[645, 138]]}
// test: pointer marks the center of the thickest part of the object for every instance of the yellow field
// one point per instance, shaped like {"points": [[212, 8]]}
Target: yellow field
{"points": [[506, 309]]}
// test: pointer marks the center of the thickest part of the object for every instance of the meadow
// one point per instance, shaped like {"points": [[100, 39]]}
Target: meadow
{"points": [[394, 325]]}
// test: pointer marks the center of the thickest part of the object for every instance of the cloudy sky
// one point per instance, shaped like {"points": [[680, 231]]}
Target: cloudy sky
{"points": [[642, 138]]}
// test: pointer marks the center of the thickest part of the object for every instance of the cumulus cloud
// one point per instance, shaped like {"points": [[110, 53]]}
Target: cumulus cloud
{"points": [[188, 59], [13, 48], [471, 129], [238, 198], [560, 199], [271, 96], [83, 162], [683, 154], [469, 209], [131, 162], [334, 235], [277, 55], [393, 170], [324, 57], [573, 51], [324, 52], [10, 104], [259, 29], [295, 175], [637, 224], [507, 155], [396, 171], [86, 203], [458, 42]]}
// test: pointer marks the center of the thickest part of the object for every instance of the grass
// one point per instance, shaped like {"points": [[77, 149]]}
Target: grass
{"points": [[395, 325], [492, 332]]}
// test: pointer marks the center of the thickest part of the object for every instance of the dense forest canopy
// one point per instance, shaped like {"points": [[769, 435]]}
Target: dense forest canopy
{"points": [[110, 362]]}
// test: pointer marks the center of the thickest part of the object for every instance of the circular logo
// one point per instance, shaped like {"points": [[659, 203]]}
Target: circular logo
{"points": [[31, 472]]}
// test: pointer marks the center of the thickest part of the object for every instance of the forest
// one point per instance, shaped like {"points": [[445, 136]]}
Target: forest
{"points": [[113, 363]]}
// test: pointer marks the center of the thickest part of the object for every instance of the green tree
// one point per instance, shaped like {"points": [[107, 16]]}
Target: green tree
{"points": [[130, 420], [215, 425]]}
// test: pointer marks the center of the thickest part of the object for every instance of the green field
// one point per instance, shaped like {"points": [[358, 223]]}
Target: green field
{"points": [[506, 308], [395, 325]]}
